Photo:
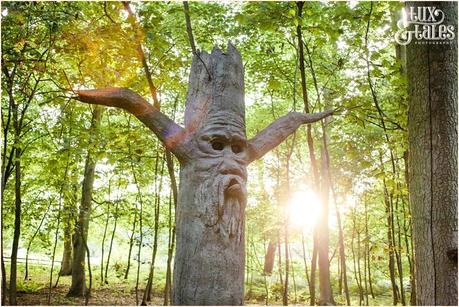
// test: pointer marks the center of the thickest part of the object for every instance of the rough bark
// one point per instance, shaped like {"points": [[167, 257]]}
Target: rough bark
{"points": [[78, 286], [432, 126], [213, 152]]}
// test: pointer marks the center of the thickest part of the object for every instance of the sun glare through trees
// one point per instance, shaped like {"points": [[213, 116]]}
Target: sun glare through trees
{"points": [[304, 210]]}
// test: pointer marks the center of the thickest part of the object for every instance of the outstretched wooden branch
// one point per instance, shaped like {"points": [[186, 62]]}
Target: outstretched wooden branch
{"points": [[279, 130], [168, 132]]}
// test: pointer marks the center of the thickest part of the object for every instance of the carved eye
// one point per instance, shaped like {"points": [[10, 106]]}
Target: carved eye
{"points": [[236, 148], [217, 145]]}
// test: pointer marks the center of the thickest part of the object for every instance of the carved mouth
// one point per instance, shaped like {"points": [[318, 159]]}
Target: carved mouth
{"points": [[232, 201], [233, 188]]}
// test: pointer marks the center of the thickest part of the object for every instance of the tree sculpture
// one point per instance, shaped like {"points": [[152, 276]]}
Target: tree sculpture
{"points": [[213, 153]]}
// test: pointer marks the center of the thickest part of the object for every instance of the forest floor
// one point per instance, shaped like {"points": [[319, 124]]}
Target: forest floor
{"points": [[35, 290], [121, 292], [115, 296]]}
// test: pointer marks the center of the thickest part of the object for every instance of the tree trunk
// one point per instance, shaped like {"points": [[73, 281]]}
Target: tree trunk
{"points": [[111, 242], [342, 251], [68, 219], [279, 260], [326, 294], [140, 200], [66, 264], [356, 258], [17, 208], [170, 251], [102, 245], [305, 261], [78, 286], [269, 257], [367, 253], [26, 276], [211, 235], [432, 126], [147, 293], [131, 243], [390, 245], [409, 236]]}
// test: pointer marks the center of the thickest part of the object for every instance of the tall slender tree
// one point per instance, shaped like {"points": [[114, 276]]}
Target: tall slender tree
{"points": [[78, 286]]}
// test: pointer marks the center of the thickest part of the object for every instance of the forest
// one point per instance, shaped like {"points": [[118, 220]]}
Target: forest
{"points": [[228, 153]]}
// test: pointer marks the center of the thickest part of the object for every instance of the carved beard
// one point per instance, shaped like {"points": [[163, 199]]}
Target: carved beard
{"points": [[223, 198]]}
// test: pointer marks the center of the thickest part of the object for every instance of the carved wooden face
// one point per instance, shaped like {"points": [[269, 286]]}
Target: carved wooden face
{"points": [[221, 162]]}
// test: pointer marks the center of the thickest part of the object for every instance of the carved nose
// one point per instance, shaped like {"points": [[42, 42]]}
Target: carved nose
{"points": [[231, 167]]}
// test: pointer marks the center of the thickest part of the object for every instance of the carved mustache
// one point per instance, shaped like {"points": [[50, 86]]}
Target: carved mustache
{"points": [[231, 186]]}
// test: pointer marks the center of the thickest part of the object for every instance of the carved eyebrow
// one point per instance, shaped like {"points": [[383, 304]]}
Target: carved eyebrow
{"points": [[217, 136], [224, 137]]}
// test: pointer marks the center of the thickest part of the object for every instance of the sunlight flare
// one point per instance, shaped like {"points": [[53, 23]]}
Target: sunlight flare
{"points": [[304, 210]]}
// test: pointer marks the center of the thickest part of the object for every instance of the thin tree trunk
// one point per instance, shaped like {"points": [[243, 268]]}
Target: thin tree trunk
{"points": [[102, 247], [17, 208], [295, 300], [366, 260], [359, 268], [138, 255], [310, 142], [56, 234], [398, 251], [389, 238], [279, 261], [131, 243], [111, 240], [87, 293], [269, 257], [66, 263], [140, 200], [306, 270], [249, 266], [356, 258], [78, 286], [342, 253], [286, 225], [174, 192], [326, 294], [147, 293], [170, 251], [312, 279], [367, 253], [287, 268], [26, 276], [265, 279], [409, 235]]}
